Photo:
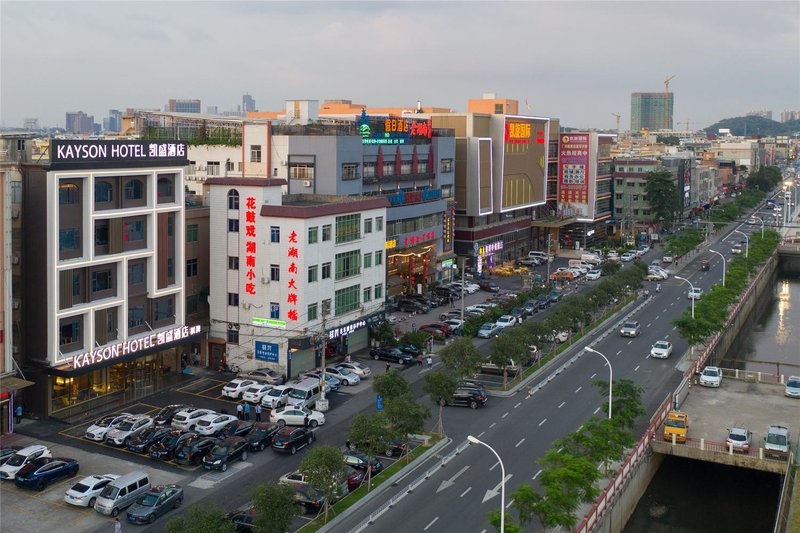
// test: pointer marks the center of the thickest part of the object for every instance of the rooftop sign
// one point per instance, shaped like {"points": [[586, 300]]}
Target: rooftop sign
{"points": [[69, 154]]}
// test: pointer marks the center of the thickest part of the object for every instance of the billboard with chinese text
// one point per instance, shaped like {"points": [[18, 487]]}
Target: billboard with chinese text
{"points": [[523, 176], [576, 176]]}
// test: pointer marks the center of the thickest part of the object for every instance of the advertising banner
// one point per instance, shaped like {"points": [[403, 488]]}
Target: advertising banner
{"points": [[574, 176], [88, 154], [524, 162]]}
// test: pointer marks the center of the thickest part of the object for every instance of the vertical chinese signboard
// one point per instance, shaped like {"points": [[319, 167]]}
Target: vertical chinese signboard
{"points": [[574, 178], [293, 256], [250, 245]]}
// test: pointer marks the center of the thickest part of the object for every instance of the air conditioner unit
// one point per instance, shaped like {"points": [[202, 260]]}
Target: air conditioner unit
{"points": [[14, 259], [307, 183]]}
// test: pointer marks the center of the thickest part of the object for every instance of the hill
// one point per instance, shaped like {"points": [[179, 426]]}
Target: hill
{"points": [[755, 126]]}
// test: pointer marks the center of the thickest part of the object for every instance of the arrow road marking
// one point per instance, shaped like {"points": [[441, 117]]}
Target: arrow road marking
{"points": [[496, 490], [450, 482], [465, 492]]}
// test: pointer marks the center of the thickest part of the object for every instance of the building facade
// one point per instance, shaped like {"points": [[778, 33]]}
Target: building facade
{"points": [[652, 111], [632, 212], [80, 123], [182, 106]]}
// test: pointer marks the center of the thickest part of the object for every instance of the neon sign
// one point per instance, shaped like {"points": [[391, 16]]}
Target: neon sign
{"points": [[291, 298], [393, 130], [127, 347], [490, 248], [250, 245]]}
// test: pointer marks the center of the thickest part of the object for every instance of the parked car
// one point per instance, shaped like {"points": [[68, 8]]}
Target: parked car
{"points": [[456, 325], [213, 424], [594, 274], [289, 439], [309, 499], [261, 436], [555, 296], [187, 419], [506, 321], [627, 256], [390, 354], [298, 479], [737, 249], [468, 396], [20, 459], [154, 503], [165, 449], [711, 377], [740, 439], [194, 450], [85, 492], [360, 369], [661, 349], [290, 416], [559, 337], [236, 387], [98, 431], [164, 416], [542, 302], [630, 329], [39, 473], [668, 258], [238, 428], [488, 330], [141, 443], [264, 375], [276, 397], [407, 305], [255, 393], [455, 313], [489, 286], [225, 452], [128, 428], [346, 376], [778, 442], [360, 461], [7, 453], [792, 387]]}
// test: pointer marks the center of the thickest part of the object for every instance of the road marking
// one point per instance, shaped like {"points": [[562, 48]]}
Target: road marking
{"points": [[637, 367], [595, 411], [491, 493], [465, 492], [666, 336], [520, 442], [492, 425], [630, 341], [505, 415], [561, 405], [494, 466], [447, 483], [560, 450], [579, 388], [650, 324], [481, 434], [432, 522], [509, 504], [536, 474], [542, 422], [665, 310], [673, 303], [674, 328], [619, 352], [518, 404], [593, 375], [657, 316]]}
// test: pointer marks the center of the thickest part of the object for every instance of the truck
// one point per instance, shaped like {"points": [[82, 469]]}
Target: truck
{"points": [[677, 425]]}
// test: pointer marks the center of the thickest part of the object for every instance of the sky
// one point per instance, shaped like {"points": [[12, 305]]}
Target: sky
{"points": [[576, 61]]}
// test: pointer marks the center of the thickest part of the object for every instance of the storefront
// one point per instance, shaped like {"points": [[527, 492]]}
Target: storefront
{"points": [[488, 255], [10, 387]]}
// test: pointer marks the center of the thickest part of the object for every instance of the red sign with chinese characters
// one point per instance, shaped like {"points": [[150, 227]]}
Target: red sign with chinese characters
{"points": [[250, 245], [292, 253]]}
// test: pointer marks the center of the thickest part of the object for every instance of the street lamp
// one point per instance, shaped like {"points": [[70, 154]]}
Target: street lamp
{"points": [[474, 440], [723, 263], [746, 242], [692, 287], [610, 377], [762, 224]]}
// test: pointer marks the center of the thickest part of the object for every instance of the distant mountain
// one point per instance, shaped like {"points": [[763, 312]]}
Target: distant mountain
{"points": [[755, 126]]}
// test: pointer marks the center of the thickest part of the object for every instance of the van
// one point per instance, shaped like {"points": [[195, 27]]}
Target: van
{"points": [[677, 425], [304, 394], [542, 256], [591, 258], [121, 493]]}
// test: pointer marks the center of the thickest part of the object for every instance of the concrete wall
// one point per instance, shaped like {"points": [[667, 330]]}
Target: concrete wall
{"points": [[622, 509]]}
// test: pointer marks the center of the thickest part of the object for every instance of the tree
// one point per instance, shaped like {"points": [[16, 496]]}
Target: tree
{"points": [[461, 357], [276, 507], [371, 434], [551, 509], [441, 386], [609, 268], [391, 385], [509, 526], [405, 416], [205, 519], [607, 441], [626, 401], [512, 345], [323, 467], [663, 195]]}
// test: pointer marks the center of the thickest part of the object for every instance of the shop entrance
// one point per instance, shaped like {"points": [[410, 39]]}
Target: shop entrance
{"points": [[216, 356]]}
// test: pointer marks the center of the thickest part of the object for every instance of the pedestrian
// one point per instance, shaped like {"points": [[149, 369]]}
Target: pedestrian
{"points": [[388, 366], [117, 526], [414, 327], [430, 362], [347, 358], [452, 301], [240, 412], [247, 411], [258, 412], [305, 421], [18, 414]]}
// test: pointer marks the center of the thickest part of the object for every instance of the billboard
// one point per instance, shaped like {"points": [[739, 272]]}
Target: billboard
{"points": [[575, 176], [393, 130], [67, 154], [523, 176], [685, 181]]}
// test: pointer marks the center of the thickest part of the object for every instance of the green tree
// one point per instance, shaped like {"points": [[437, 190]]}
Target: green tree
{"points": [[573, 474], [205, 519], [405, 416], [512, 345], [663, 196], [551, 509], [607, 441], [609, 268], [276, 507], [323, 467], [461, 357], [371, 434], [441, 386], [626, 401], [509, 526], [390, 385]]}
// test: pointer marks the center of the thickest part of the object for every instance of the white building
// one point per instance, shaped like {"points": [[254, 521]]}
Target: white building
{"points": [[292, 275]]}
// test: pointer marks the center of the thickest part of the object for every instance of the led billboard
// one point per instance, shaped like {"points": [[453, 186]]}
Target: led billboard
{"points": [[576, 176], [523, 176]]}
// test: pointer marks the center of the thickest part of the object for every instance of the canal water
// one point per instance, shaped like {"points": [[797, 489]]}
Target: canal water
{"points": [[689, 496]]}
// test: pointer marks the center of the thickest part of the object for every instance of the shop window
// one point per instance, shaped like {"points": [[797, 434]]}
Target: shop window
{"points": [[326, 232], [103, 192], [69, 193], [274, 310], [192, 232], [233, 299], [255, 153], [313, 271], [274, 234], [233, 336], [70, 332], [191, 268], [163, 309], [312, 312], [134, 190], [233, 199], [313, 235], [233, 262], [135, 316], [102, 280], [233, 225], [135, 273], [275, 272]]}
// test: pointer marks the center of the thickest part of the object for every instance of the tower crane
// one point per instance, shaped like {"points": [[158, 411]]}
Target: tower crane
{"points": [[618, 117], [667, 117]]}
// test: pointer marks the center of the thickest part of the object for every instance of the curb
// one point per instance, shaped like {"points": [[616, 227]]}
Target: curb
{"points": [[391, 482]]}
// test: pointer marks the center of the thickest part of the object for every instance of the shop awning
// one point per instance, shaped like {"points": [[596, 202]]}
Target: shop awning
{"points": [[13, 383]]}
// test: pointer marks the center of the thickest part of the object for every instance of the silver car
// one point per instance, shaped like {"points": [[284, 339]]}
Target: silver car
{"points": [[128, 428], [101, 427], [792, 388]]}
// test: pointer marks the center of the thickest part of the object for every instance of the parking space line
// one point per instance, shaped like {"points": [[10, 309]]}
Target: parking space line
{"points": [[520, 442], [431, 523], [637, 368], [542, 422]]}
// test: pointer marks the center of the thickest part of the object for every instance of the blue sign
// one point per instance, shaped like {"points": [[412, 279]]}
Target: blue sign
{"points": [[267, 351], [379, 402]]}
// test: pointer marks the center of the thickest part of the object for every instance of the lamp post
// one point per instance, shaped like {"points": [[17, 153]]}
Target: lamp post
{"points": [[474, 440], [610, 377], [723, 264], [692, 287], [746, 242], [762, 224]]}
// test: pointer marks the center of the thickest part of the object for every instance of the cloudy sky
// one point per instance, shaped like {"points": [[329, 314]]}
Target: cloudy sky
{"points": [[578, 61]]}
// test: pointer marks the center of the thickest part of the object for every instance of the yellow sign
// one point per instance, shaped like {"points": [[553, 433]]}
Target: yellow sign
{"points": [[391, 244]]}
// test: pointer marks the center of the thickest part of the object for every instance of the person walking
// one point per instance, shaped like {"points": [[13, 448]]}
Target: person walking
{"points": [[258, 412], [247, 411], [305, 421], [18, 413], [117, 526], [430, 362], [240, 412], [388, 367]]}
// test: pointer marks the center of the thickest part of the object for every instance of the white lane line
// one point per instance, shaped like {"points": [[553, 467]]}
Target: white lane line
{"points": [[666, 336], [432, 522], [561, 405], [619, 352], [650, 324], [481, 434], [520, 442], [560, 450], [518, 404], [595, 411], [505, 415], [665, 310], [674, 328], [494, 466], [657, 316], [630, 341], [465, 492], [509, 504], [493, 424], [542, 422], [593, 375], [637, 368], [536, 475], [648, 357], [579, 388]]}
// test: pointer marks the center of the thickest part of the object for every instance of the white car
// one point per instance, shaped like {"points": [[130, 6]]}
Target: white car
{"points": [[255, 393], [559, 336], [711, 377], [644, 248], [469, 288], [612, 256], [359, 369], [212, 424], [506, 321], [21, 458], [627, 256], [276, 397], [85, 492], [661, 350], [99, 430], [695, 293], [235, 388], [593, 274], [737, 249], [577, 272], [668, 258], [477, 308], [346, 376], [130, 427], [187, 419], [292, 416]]}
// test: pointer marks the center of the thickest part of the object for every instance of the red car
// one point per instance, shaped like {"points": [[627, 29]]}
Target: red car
{"points": [[437, 328]]}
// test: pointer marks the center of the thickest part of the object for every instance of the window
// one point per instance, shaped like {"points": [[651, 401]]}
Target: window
{"points": [[274, 310], [326, 270], [76, 284], [447, 165], [312, 273], [275, 272], [367, 225], [229, 166], [163, 309], [326, 232], [135, 316], [348, 228], [69, 239], [101, 234], [301, 171], [369, 170], [233, 262], [170, 268], [233, 225], [498, 109], [367, 260], [191, 268], [378, 223], [347, 264], [16, 192], [646, 212], [134, 231], [102, 280], [102, 192], [274, 234], [255, 153], [134, 190], [349, 171], [233, 299], [326, 307], [135, 273], [389, 168], [69, 193], [347, 299], [367, 296], [192, 232], [233, 336], [213, 168], [618, 210], [233, 199], [313, 235], [70, 332], [192, 304], [635, 211], [379, 291], [635, 198], [618, 196], [379, 257], [165, 188], [312, 311], [170, 225]]}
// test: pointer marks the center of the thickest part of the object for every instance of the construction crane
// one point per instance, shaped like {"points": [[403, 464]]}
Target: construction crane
{"points": [[667, 117], [687, 122], [618, 117]]}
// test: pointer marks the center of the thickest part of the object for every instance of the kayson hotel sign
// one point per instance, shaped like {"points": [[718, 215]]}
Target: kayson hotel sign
{"points": [[132, 346], [74, 154]]}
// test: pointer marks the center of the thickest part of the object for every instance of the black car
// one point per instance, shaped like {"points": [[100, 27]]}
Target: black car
{"points": [[554, 296], [164, 416], [309, 499], [410, 349], [141, 443], [519, 313], [244, 520], [261, 436], [154, 503], [360, 461], [289, 439], [543, 301], [411, 306], [531, 306], [448, 293], [468, 396], [194, 450], [489, 286], [225, 452], [166, 448], [238, 428], [394, 355], [427, 301]]}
